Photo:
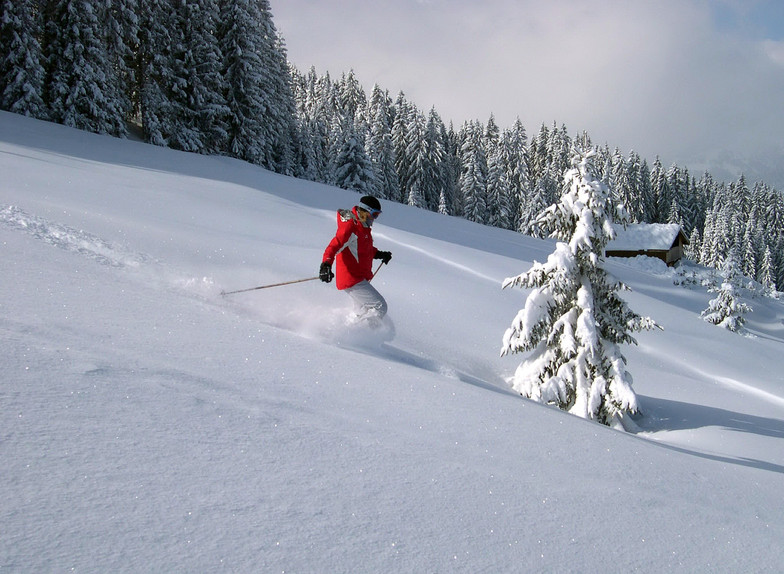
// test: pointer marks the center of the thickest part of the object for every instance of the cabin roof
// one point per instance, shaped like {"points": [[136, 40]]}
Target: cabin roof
{"points": [[645, 237]]}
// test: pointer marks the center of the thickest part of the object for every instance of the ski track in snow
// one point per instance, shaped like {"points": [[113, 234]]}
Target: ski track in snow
{"points": [[70, 239], [745, 388], [103, 252], [443, 260]]}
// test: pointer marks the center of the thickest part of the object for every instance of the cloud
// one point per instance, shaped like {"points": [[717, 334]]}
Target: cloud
{"points": [[774, 51], [661, 78]]}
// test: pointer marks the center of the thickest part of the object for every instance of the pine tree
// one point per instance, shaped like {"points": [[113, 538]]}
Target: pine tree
{"points": [[675, 214], [766, 273], [660, 190], [279, 119], [451, 166], [473, 176], [156, 27], [499, 210], [353, 169], [379, 145], [513, 151], [352, 100], [197, 92], [543, 194], [81, 85], [315, 122], [574, 321], [621, 184], [122, 40], [400, 142], [706, 191], [694, 247], [492, 136], [416, 159], [749, 249], [241, 43], [433, 177], [726, 310], [21, 67], [633, 198], [536, 157]]}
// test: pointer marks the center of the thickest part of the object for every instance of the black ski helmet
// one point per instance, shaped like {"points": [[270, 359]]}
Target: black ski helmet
{"points": [[370, 204]]}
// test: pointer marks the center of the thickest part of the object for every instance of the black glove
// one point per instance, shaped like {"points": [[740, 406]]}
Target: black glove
{"points": [[385, 256], [325, 272]]}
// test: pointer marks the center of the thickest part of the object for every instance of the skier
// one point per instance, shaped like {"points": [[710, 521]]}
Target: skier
{"points": [[353, 249]]}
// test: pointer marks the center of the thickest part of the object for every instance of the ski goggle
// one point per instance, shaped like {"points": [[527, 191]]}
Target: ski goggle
{"points": [[374, 213]]}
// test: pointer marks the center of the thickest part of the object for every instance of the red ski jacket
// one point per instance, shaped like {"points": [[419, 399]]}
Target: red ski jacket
{"points": [[353, 249]]}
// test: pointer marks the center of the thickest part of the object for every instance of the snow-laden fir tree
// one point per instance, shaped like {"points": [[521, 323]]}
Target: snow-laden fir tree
{"points": [[21, 59], [197, 100], [726, 310], [81, 83], [241, 42], [417, 161], [766, 274], [434, 180], [379, 145], [473, 177], [574, 321], [353, 168]]}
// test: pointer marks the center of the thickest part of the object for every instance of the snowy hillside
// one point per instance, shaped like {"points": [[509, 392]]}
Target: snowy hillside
{"points": [[149, 424]]}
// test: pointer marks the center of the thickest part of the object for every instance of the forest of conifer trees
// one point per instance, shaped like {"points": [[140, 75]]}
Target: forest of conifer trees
{"points": [[212, 77]]}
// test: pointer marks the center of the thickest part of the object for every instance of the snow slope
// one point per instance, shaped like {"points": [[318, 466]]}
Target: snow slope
{"points": [[149, 424]]}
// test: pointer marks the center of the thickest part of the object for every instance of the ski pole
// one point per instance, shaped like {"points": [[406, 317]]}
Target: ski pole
{"points": [[377, 270], [224, 293]]}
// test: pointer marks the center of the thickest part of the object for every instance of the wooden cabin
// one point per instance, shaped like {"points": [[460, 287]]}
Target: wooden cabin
{"points": [[664, 241]]}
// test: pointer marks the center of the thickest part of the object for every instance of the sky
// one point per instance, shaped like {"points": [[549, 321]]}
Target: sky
{"points": [[683, 79]]}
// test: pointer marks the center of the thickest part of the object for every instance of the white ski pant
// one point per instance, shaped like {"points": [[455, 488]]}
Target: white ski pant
{"points": [[367, 301]]}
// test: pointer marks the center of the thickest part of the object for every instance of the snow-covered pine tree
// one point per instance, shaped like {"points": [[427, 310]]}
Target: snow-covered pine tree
{"points": [[694, 246], [726, 310], [81, 83], [197, 91], [400, 141], [499, 207], [675, 183], [660, 190], [156, 42], [705, 189], [473, 177], [279, 119], [492, 135], [451, 167], [749, 249], [379, 143], [353, 169], [241, 42], [536, 155], [620, 183], [315, 125], [514, 143], [352, 100], [122, 38], [766, 273], [675, 214], [574, 321], [416, 159], [21, 62], [544, 193], [434, 179]]}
